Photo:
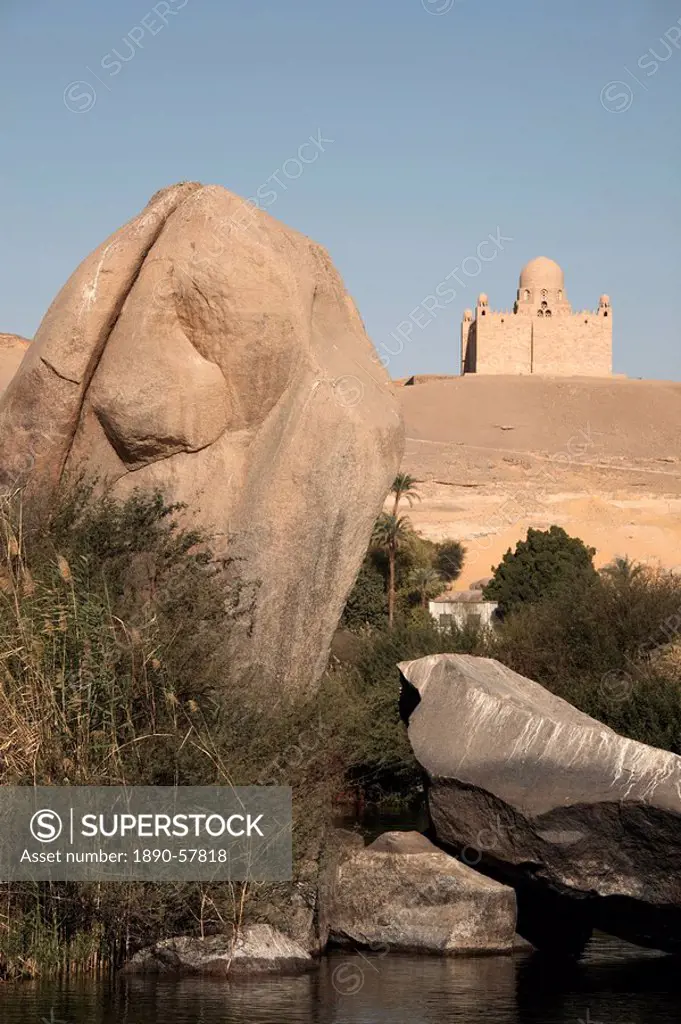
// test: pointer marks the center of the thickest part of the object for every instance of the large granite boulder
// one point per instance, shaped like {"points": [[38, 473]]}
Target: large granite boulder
{"points": [[585, 824], [404, 894], [257, 949], [12, 351], [211, 352]]}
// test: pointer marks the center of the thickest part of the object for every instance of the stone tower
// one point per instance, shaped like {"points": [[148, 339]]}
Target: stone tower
{"points": [[541, 334]]}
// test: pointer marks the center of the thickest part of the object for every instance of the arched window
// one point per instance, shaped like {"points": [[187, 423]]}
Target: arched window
{"points": [[544, 293], [547, 313], [544, 305], [527, 295], [540, 312]]}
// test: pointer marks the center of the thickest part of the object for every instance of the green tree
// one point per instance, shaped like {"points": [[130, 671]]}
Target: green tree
{"points": [[414, 553], [622, 569], [404, 486], [546, 562], [449, 558], [366, 605], [389, 532], [427, 582]]}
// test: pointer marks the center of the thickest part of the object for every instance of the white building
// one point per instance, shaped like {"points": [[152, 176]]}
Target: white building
{"points": [[463, 607]]}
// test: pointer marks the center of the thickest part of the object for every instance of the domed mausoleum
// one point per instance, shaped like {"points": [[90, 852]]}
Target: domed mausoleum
{"points": [[541, 334]]}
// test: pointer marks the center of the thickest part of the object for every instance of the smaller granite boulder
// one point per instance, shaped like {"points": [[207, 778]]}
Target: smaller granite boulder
{"points": [[403, 893], [258, 949]]}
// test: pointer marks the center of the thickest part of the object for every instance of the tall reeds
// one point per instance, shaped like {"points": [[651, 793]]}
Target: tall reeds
{"points": [[112, 671]]}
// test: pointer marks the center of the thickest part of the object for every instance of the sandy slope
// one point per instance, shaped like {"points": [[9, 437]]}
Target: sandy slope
{"points": [[12, 351], [495, 455]]}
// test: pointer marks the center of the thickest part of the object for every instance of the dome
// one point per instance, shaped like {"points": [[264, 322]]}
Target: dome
{"points": [[542, 273], [482, 299], [604, 300]]}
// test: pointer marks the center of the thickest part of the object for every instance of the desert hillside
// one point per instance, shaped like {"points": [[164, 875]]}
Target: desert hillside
{"points": [[495, 455], [12, 351]]}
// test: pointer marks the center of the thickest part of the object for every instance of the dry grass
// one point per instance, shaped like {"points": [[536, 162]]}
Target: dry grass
{"points": [[112, 622]]}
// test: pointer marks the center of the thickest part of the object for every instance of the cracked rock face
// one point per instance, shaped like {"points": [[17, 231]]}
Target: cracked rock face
{"points": [[209, 351], [585, 824]]}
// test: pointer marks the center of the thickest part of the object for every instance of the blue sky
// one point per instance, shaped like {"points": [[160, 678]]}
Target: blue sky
{"points": [[444, 122]]}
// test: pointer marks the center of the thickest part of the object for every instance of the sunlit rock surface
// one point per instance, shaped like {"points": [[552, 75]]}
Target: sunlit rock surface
{"points": [[256, 949], [403, 893], [584, 823], [209, 351]]}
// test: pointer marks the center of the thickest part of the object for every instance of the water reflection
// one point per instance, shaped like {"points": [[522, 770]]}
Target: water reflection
{"points": [[614, 984]]}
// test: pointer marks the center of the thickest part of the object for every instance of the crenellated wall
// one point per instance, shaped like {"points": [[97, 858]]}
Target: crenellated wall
{"points": [[576, 344]]}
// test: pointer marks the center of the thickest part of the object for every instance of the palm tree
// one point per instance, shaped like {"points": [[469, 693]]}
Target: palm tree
{"points": [[426, 581], [623, 569], [389, 532], [404, 486]]}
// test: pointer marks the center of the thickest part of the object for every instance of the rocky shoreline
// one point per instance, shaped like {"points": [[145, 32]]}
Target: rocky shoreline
{"points": [[399, 894], [543, 821]]}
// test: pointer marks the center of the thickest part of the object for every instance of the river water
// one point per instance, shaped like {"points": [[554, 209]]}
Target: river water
{"points": [[612, 984]]}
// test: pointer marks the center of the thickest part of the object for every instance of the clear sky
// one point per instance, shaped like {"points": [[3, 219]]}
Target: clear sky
{"points": [[446, 121]]}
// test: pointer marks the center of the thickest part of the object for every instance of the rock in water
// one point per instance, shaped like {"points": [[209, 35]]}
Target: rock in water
{"points": [[258, 949], [209, 351], [586, 825], [403, 893], [12, 351]]}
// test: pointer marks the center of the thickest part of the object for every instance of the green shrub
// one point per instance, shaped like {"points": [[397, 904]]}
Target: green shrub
{"points": [[367, 605], [602, 648], [449, 559], [545, 563]]}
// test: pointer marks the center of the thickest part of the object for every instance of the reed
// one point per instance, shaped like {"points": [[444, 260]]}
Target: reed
{"points": [[112, 623]]}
